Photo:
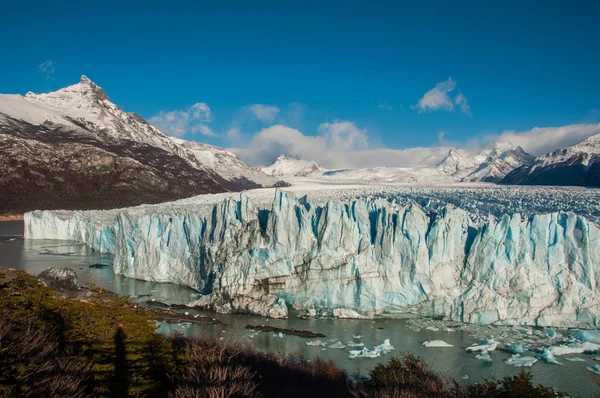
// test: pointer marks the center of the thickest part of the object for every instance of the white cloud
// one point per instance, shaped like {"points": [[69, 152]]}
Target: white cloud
{"points": [[442, 138], [343, 145], [264, 113], [539, 140], [385, 106], [177, 123], [338, 145], [461, 101], [47, 68], [438, 98]]}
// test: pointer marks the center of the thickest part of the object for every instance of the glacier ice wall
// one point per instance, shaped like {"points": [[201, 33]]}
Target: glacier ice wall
{"points": [[374, 257]]}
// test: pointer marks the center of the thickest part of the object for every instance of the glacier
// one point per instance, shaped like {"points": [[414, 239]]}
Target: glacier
{"points": [[367, 256]]}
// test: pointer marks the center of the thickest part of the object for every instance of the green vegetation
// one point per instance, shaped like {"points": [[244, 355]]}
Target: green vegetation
{"points": [[55, 346]]}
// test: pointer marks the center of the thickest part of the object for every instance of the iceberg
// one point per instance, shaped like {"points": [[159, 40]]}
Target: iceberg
{"points": [[436, 344], [385, 347], [488, 345], [572, 348], [353, 344], [484, 356], [548, 356], [359, 256], [592, 336], [519, 361], [594, 369], [337, 345], [364, 353], [316, 343]]}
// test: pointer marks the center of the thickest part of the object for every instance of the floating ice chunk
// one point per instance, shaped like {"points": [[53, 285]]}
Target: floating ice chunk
{"points": [[519, 361], [514, 348], [551, 332], [592, 336], [357, 336], [323, 349], [548, 356], [488, 345], [364, 353], [447, 329], [349, 313], [316, 343], [575, 359], [465, 377], [523, 329], [594, 369], [484, 356], [252, 334], [432, 328], [385, 347], [351, 344], [436, 344], [573, 348], [337, 345], [280, 335]]}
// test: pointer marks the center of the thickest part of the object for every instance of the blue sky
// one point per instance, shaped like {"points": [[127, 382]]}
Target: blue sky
{"points": [[513, 65]]}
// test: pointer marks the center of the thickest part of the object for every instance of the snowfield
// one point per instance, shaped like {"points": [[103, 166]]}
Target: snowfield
{"points": [[480, 253]]}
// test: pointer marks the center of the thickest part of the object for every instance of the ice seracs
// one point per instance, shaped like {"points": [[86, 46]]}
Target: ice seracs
{"points": [[372, 255]]}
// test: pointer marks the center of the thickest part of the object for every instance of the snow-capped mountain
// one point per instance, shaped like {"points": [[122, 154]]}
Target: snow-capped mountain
{"points": [[290, 167], [577, 165], [458, 161], [498, 164], [73, 148], [228, 165], [459, 165]]}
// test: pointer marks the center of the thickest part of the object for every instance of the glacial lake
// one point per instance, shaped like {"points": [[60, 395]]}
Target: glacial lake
{"points": [[35, 256]]}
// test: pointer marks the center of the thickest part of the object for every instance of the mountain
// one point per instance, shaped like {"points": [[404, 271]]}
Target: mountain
{"points": [[228, 165], [577, 165], [498, 164], [457, 161], [74, 149], [458, 165], [289, 167]]}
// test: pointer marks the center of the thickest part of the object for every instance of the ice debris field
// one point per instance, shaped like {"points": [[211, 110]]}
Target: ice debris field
{"points": [[481, 254]]}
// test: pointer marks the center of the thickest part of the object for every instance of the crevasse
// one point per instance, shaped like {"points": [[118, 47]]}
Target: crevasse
{"points": [[367, 257]]}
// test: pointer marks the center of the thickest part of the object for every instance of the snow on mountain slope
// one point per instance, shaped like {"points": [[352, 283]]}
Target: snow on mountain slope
{"points": [[578, 164], [459, 165], [498, 164], [73, 148], [87, 105], [381, 254], [458, 160], [286, 166], [228, 165]]}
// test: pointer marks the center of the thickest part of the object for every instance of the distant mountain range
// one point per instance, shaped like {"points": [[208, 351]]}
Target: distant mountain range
{"points": [[458, 165], [577, 165], [74, 149]]}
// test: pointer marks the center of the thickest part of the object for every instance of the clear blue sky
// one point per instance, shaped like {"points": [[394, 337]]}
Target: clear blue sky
{"points": [[519, 64]]}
